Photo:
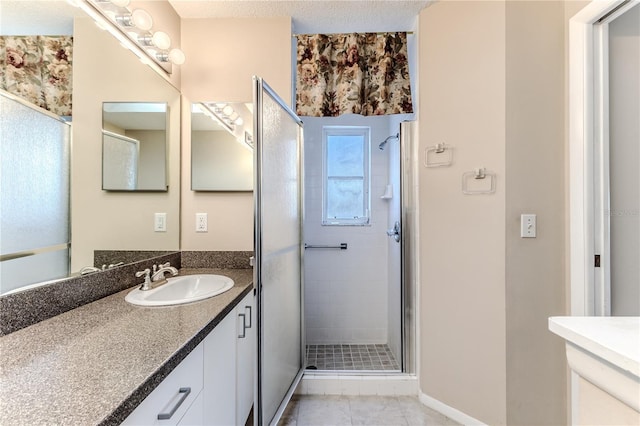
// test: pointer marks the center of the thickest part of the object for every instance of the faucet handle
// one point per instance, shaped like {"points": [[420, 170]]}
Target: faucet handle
{"points": [[147, 278], [147, 275]]}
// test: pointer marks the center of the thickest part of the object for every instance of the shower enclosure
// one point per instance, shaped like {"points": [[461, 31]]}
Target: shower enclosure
{"points": [[278, 251], [358, 292]]}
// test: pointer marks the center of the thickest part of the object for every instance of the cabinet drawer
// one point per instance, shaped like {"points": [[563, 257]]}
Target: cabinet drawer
{"points": [[173, 397]]}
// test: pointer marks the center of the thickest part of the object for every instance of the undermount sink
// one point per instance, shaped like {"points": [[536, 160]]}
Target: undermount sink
{"points": [[179, 290]]}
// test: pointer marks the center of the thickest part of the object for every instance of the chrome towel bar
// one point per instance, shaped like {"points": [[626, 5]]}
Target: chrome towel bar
{"points": [[342, 246]]}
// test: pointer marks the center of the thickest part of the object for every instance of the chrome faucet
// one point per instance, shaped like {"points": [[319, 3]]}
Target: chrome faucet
{"points": [[146, 285], [89, 269], [159, 271]]}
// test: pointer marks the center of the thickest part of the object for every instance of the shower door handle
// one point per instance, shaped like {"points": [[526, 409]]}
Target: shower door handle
{"points": [[395, 232]]}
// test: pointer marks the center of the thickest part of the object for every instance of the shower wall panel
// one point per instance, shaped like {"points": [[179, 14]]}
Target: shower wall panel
{"points": [[346, 291]]}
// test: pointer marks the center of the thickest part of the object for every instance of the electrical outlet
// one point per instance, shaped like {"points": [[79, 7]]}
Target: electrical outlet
{"points": [[160, 222], [201, 222], [528, 226]]}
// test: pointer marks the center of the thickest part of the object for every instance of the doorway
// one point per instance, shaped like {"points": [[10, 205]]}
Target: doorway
{"points": [[604, 133], [354, 316]]}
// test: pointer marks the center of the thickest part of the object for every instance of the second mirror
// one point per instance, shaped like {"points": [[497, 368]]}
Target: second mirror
{"points": [[221, 147]]}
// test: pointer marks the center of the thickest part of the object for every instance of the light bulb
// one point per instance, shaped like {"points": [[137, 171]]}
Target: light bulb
{"points": [[161, 40], [121, 3], [228, 110], [233, 116], [176, 56], [141, 19], [239, 121]]}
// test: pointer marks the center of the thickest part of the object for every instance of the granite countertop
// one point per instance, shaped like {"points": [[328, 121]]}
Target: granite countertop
{"points": [[96, 363]]}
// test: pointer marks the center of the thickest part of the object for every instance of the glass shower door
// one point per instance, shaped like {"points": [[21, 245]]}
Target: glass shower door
{"points": [[34, 183], [278, 251]]}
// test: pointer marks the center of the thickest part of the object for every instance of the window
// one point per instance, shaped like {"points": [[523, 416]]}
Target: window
{"points": [[346, 175]]}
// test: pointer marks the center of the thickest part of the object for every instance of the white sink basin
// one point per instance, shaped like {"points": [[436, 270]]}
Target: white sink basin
{"points": [[179, 290]]}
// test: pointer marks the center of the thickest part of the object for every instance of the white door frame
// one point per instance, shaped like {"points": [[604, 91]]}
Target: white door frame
{"points": [[588, 156]]}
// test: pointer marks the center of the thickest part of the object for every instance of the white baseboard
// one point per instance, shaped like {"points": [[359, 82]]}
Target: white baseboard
{"points": [[390, 385], [452, 413]]}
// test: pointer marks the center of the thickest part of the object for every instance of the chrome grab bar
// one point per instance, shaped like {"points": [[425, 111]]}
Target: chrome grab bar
{"points": [[342, 246]]}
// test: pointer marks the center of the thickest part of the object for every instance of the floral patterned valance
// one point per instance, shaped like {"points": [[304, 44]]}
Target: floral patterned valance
{"points": [[364, 74], [38, 69]]}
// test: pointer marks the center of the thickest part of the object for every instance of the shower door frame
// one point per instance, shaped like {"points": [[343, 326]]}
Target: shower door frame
{"points": [[409, 271], [260, 86]]}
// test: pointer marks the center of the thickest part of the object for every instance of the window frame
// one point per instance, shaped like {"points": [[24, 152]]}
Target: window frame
{"points": [[365, 132]]}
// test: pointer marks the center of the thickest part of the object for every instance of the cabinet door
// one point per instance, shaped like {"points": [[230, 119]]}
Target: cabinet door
{"points": [[194, 416], [246, 360], [173, 397], [220, 373]]}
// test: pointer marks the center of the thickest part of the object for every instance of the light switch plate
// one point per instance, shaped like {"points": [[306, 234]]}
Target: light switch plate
{"points": [[160, 222], [528, 225]]}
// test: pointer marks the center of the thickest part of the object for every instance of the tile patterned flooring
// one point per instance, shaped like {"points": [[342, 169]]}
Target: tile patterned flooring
{"points": [[336, 410], [351, 357]]}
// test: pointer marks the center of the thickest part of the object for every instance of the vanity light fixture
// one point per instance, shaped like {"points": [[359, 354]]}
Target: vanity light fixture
{"points": [[161, 40], [133, 28], [138, 18], [216, 113]]}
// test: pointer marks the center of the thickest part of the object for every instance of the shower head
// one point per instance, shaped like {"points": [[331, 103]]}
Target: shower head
{"points": [[384, 142]]}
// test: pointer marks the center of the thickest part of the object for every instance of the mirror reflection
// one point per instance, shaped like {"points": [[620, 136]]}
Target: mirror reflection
{"points": [[107, 227], [221, 147], [134, 146]]}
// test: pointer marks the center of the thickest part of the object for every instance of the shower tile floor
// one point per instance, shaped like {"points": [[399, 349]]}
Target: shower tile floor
{"points": [[351, 357]]}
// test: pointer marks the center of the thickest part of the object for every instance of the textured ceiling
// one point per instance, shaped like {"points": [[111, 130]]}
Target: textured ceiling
{"points": [[314, 16], [308, 16]]}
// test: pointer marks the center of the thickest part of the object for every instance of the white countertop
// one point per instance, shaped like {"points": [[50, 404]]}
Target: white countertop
{"points": [[614, 339]]}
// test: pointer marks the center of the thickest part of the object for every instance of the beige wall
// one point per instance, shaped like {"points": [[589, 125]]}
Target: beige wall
{"points": [[223, 55], [462, 237], [492, 85], [115, 220], [535, 286]]}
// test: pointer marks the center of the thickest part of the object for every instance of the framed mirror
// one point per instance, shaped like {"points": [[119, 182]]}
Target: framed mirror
{"points": [[134, 146], [221, 147]]}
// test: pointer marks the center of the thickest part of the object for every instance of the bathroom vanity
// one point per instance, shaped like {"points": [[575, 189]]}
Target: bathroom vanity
{"points": [[604, 356], [110, 362]]}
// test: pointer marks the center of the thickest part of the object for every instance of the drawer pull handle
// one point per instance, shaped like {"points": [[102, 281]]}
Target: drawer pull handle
{"points": [[185, 393], [250, 315], [244, 327]]}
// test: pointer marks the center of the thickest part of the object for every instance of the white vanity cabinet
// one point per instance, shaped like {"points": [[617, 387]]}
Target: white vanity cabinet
{"points": [[245, 357], [229, 358], [214, 384], [174, 398]]}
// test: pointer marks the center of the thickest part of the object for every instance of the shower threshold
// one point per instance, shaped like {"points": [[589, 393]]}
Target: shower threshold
{"points": [[359, 358]]}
